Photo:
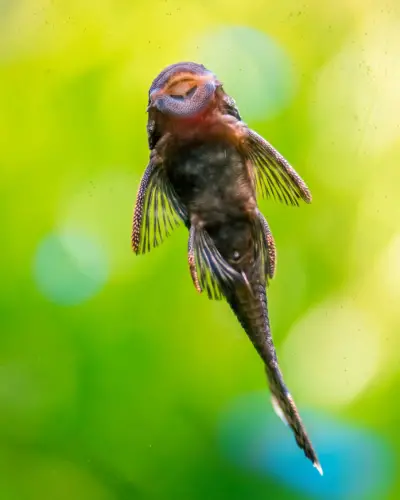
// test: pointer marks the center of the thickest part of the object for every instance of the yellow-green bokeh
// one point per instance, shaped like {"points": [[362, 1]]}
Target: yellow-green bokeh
{"points": [[119, 395]]}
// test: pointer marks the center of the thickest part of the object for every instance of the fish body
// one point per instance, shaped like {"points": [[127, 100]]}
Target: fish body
{"points": [[206, 169]]}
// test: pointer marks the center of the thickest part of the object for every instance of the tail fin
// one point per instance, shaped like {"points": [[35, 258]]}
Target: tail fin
{"points": [[286, 410], [248, 301]]}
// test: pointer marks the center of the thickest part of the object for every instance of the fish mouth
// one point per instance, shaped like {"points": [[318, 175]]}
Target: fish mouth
{"points": [[184, 98]]}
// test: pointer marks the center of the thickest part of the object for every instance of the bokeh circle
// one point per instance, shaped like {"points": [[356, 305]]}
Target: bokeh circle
{"points": [[255, 70], [69, 267]]}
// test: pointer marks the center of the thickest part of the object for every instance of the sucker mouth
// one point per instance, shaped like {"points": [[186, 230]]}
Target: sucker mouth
{"points": [[189, 93], [184, 94], [185, 104]]}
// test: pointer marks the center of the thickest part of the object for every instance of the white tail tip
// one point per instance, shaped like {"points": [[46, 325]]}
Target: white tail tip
{"points": [[278, 409], [317, 465]]}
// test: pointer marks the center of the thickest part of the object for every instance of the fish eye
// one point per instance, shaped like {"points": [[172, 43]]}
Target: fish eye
{"points": [[236, 256]]}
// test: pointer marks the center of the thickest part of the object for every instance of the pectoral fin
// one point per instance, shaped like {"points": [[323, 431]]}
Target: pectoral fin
{"points": [[157, 210], [274, 175], [192, 260]]}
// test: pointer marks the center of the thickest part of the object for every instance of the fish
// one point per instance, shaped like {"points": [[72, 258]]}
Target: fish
{"points": [[206, 171]]}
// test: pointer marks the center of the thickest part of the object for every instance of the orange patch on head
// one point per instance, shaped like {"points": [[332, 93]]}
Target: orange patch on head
{"points": [[181, 83], [181, 88]]}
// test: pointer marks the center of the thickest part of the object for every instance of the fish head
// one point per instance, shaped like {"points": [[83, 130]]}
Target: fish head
{"points": [[183, 90]]}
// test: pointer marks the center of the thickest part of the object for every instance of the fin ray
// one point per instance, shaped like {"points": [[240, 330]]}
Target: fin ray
{"points": [[274, 175], [286, 409], [213, 273], [157, 209]]}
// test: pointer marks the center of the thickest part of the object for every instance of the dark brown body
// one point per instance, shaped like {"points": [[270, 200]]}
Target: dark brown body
{"points": [[213, 183], [205, 169]]}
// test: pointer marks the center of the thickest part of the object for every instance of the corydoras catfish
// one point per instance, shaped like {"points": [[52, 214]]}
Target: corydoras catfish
{"points": [[206, 169]]}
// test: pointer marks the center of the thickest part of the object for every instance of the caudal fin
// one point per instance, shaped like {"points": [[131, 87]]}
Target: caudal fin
{"points": [[286, 410]]}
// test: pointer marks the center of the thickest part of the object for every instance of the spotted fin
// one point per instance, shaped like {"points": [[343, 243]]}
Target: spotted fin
{"points": [[157, 210], [274, 175]]}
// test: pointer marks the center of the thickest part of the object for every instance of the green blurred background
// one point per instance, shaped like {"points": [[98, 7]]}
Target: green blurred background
{"points": [[115, 375]]}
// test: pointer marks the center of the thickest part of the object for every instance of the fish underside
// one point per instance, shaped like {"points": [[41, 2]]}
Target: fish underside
{"points": [[206, 173]]}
